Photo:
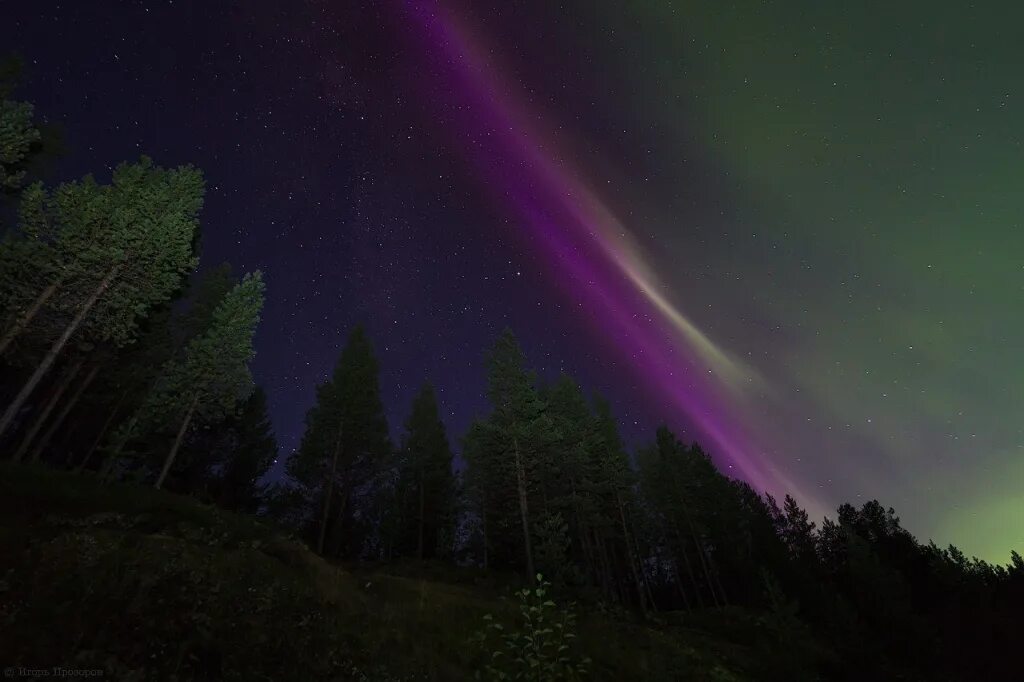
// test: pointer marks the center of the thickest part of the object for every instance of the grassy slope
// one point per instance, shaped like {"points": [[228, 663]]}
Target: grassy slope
{"points": [[149, 585]]}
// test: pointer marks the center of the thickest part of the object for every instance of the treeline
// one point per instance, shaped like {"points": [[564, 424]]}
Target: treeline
{"points": [[119, 361], [548, 487]]}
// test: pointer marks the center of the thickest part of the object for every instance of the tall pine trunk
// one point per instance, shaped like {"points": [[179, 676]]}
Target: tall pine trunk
{"points": [[107, 470], [27, 317], [650, 594], [702, 557], [55, 349], [689, 567], [604, 567], [65, 411], [419, 550], [103, 432], [329, 491], [679, 585], [718, 580], [483, 524], [338, 538], [524, 511], [629, 555], [581, 530], [177, 442], [44, 414]]}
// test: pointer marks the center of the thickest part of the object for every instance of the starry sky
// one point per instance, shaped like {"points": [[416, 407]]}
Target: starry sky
{"points": [[791, 230]]}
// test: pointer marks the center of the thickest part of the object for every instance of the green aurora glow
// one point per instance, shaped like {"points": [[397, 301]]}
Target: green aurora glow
{"points": [[872, 154]]}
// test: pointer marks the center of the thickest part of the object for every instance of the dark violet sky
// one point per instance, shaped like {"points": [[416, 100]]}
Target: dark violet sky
{"points": [[789, 229]]}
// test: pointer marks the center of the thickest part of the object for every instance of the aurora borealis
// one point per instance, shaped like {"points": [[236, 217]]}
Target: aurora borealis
{"points": [[876, 363], [789, 230], [592, 253]]}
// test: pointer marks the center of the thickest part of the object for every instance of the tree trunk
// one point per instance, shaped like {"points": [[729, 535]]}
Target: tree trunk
{"points": [[689, 567], [44, 414], [483, 523], [70, 405], [329, 491], [524, 512], [650, 595], [630, 557], [108, 466], [581, 530], [103, 432], [635, 548], [177, 442], [27, 317], [702, 557], [343, 507], [718, 580], [679, 584], [419, 550], [604, 568], [55, 349], [113, 457]]}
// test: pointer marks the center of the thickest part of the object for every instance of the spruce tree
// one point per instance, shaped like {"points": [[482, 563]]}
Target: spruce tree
{"points": [[250, 450], [426, 483], [797, 531], [493, 501], [343, 452]]}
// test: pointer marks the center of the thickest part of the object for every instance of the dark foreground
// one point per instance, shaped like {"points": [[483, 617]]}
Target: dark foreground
{"points": [[145, 586]]}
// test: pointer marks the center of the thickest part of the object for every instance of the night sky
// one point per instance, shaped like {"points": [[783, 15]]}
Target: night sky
{"points": [[791, 230]]}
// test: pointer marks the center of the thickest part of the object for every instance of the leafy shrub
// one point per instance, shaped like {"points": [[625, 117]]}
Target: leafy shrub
{"points": [[539, 649]]}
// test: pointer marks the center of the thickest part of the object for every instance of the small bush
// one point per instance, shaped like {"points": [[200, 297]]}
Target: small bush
{"points": [[539, 649]]}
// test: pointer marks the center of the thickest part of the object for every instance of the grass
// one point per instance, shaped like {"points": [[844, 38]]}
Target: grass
{"points": [[147, 585]]}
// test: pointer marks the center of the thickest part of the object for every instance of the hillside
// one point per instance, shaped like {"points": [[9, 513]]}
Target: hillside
{"points": [[146, 585]]}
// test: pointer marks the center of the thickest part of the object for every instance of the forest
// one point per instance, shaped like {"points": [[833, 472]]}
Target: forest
{"points": [[126, 386]]}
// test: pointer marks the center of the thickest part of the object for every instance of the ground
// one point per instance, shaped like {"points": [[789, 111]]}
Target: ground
{"points": [[147, 585]]}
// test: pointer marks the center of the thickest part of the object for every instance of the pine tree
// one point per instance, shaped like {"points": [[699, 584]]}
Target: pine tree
{"points": [[18, 135], [567, 468], [60, 386], [513, 437], [30, 267], [616, 485], [129, 375], [43, 442], [213, 376], [164, 338], [118, 250], [676, 483]]}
